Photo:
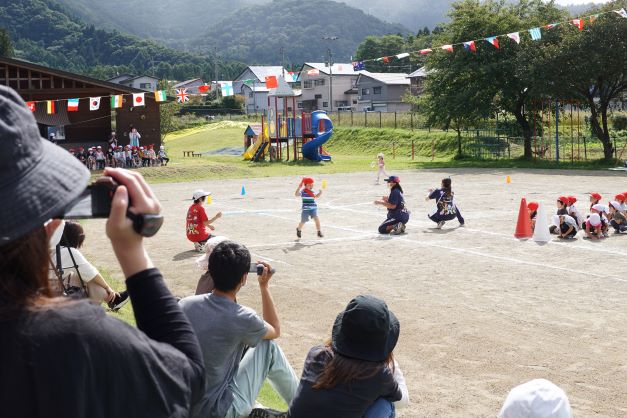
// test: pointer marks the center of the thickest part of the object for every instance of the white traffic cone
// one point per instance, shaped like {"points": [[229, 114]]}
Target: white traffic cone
{"points": [[541, 232]]}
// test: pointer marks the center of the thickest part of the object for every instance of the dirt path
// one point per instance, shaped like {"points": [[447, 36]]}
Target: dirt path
{"points": [[480, 311]]}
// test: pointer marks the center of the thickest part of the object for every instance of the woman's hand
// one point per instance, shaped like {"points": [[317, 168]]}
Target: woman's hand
{"points": [[111, 294], [211, 227]]}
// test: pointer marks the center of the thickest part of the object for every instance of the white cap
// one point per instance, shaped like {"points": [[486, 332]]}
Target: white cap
{"points": [[161, 147], [203, 261], [200, 193], [380, 155], [537, 398], [615, 204], [595, 219], [600, 208]]}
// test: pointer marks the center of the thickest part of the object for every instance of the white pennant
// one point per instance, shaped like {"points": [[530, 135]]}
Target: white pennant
{"points": [[514, 36], [94, 103], [403, 55]]}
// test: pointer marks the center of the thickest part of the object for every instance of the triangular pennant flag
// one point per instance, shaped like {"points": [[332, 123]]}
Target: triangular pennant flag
{"points": [[294, 76], [204, 88], [138, 99], [32, 106], [50, 107], [403, 55], [515, 36], [116, 101], [578, 23], [494, 41], [425, 51], [72, 105], [182, 96], [386, 60], [249, 82], [358, 66], [535, 33], [94, 103], [313, 71], [226, 87], [622, 13], [470, 46], [551, 25], [448, 48], [161, 96], [595, 17], [271, 82]]}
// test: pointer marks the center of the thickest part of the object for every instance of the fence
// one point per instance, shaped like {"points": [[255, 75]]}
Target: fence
{"points": [[394, 120]]}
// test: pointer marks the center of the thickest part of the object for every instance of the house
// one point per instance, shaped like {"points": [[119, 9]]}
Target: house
{"points": [[417, 81], [40, 84], [382, 92], [142, 82], [319, 82], [256, 98], [191, 85], [252, 84]]}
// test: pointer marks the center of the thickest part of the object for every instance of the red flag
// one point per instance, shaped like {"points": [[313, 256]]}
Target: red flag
{"points": [[386, 59], [448, 48], [32, 106], [494, 41], [425, 51], [204, 88], [578, 23], [271, 82]]}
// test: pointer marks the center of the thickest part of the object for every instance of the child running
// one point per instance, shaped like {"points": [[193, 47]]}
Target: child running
{"points": [[310, 208], [445, 209], [197, 221]]}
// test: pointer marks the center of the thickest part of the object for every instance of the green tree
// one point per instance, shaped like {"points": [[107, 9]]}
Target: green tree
{"points": [[6, 48]]}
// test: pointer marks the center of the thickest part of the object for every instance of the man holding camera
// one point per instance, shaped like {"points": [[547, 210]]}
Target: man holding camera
{"points": [[226, 330]]}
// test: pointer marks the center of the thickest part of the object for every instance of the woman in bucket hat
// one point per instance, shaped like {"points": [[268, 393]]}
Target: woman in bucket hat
{"points": [[355, 374], [62, 357]]}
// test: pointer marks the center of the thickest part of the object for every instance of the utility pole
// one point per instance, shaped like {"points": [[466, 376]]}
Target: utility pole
{"points": [[283, 59], [330, 62], [215, 63]]}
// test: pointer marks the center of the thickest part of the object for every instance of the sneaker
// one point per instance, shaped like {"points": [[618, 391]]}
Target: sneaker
{"points": [[403, 229], [440, 225], [462, 224], [118, 301], [199, 247], [397, 229], [606, 234], [298, 232], [320, 234], [266, 413]]}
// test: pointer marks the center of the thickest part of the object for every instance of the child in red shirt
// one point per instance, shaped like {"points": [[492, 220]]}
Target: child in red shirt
{"points": [[198, 222]]}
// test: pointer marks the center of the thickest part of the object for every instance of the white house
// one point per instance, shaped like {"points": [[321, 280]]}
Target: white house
{"points": [[319, 81], [252, 84], [382, 92], [191, 85], [143, 82]]}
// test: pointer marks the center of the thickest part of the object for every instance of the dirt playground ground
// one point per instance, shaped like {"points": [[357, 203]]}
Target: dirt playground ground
{"points": [[480, 311]]}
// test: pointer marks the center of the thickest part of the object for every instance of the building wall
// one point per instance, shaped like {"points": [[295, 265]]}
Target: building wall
{"points": [[149, 83], [341, 83], [192, 87], [246, 75], [389, 100], [147, 120]]}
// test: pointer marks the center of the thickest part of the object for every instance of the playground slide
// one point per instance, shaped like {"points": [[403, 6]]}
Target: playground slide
{"points": [[322, 128], [250, 152]]}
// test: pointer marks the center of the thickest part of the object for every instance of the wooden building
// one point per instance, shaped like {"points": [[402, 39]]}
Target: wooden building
{"points": [[82, 127]]}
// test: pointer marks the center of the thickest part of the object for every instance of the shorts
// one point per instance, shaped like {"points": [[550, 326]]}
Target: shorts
{"points": [[308, 213]]}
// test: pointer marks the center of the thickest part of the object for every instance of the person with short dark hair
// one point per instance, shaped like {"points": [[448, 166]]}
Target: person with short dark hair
{"points": [[445, 207], [398, 215], [354, 375], [225, 328], [61, 357]]}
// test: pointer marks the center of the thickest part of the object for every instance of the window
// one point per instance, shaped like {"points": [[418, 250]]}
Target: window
{"points": [[325, 104], [318, 96], [145, 86], [354, 102], [365, 92], [376, 90], [319, 82], [307, 84], [299, 105]]}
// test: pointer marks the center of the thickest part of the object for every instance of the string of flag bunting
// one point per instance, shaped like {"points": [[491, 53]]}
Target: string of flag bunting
{"points": [[471, 46]]}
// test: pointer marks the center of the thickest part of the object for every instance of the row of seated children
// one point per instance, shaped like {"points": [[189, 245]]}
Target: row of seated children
{"points": [[567, 220], [124, 157]]}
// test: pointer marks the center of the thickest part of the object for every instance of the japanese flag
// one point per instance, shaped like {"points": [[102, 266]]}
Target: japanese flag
{"points": [[138, 99], [94, 103]]}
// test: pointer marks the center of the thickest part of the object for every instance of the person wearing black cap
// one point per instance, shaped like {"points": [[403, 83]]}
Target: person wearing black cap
{"points": [[354, 375], [61, 357], [398, 215]]}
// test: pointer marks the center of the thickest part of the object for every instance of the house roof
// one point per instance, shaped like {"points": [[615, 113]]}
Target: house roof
{"points": [[120, 77], [61, 73], [387, 78], [141, 76], [186, 82], [420, 72], [282, 90], [338, 68], [263, 71]]}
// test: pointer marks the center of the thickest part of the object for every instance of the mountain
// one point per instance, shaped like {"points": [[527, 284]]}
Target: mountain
{"points": [[257, 34], [44, 32]]}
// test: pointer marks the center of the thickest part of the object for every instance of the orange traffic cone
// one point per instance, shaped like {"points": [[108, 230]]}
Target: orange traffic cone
{"points": [[523, 226]]}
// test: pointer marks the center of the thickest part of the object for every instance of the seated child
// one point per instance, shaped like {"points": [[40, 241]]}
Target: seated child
{"points": [[617, 218], [532, 207], [198, 224], [562, 202], [568, 227], [602, 210], [574, 212], [593, 227], [163, 157], [621, 198]]}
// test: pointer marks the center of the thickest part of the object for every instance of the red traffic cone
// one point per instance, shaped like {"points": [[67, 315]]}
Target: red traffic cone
{"points": [[523, 227]]}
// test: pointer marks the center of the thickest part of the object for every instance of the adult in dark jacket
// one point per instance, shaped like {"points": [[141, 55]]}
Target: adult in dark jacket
{"points": [[67, 358]]}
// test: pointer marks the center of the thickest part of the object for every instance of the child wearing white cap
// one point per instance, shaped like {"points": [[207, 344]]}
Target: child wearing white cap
{"points": [[593, 227], [617, 218], [163, 157], [197, 221], [538, 398]]}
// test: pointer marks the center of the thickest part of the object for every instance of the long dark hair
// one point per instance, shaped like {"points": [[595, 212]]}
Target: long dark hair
{"points": [[73, 235], [24, 268], [397, 186], [446, 187], [342, 370]]}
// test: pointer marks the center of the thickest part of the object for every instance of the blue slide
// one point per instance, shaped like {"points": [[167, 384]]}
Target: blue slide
{"points": [[311, 150]]}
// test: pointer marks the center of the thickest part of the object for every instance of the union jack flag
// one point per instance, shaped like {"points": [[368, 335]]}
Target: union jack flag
{"points": [[182, 96]]}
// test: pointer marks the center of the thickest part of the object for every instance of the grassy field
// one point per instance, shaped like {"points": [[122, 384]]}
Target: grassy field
{"points": [[353, 150]]}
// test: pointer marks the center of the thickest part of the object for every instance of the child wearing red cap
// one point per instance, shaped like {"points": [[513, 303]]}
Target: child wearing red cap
{"points": [[561, 203], [622, 199], [573, 211], [309, 208], [532, 207]]}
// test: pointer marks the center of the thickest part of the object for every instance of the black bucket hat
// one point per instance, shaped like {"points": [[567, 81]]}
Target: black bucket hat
{"points": [[38, 179], [365, 330]]}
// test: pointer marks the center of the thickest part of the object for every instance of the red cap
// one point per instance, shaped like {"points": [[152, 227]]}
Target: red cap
{"points": [[571, 200], [532, 206], [595, 196], [564, 200], [620, 197], [308, 180]]}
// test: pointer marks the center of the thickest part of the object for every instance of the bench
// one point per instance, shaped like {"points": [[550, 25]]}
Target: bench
{"points": [[195, 154], [188, 153]]}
